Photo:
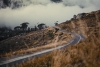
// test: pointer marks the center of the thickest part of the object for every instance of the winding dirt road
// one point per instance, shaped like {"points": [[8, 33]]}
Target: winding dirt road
{"points": [[21, 59]]}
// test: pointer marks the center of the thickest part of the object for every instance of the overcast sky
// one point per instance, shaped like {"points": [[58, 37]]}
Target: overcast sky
{"points": [[45, 11]]}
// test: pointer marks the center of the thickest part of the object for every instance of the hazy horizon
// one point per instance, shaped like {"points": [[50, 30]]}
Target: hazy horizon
{"points": [[45, 11]]}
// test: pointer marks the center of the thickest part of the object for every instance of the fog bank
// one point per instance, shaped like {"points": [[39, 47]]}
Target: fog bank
{"points": [[45, 11]]}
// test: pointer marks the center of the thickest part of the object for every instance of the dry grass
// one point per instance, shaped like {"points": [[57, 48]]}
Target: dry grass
{"points": [[32, 50], [84, 54], [59, 39]]}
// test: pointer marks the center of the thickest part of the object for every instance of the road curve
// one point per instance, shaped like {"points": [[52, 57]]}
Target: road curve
{"points": [[21, 59]]}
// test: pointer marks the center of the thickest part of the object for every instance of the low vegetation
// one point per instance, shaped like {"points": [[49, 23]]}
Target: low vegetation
{"points": [[32, 42], [84, 54]]}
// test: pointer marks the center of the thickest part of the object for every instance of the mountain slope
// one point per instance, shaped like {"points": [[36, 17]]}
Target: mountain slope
{"points": [[84, 54], [84, 23], [33, 41]]}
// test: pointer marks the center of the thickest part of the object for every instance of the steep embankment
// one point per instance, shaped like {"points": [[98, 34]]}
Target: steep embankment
{"points": [[84, 54], [84, 23], [32, 42]]}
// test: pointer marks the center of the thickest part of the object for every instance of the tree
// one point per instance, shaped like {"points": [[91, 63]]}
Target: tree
{"points": [[24, 26], [29, 29], [41, 26], [35, 28], [17, 28]]}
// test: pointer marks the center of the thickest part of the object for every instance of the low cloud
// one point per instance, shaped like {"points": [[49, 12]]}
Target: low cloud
{"points": [[45, 11]]}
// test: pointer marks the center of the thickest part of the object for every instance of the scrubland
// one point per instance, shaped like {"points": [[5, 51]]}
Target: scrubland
{"points": [[84, 54], [33, 42]]}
